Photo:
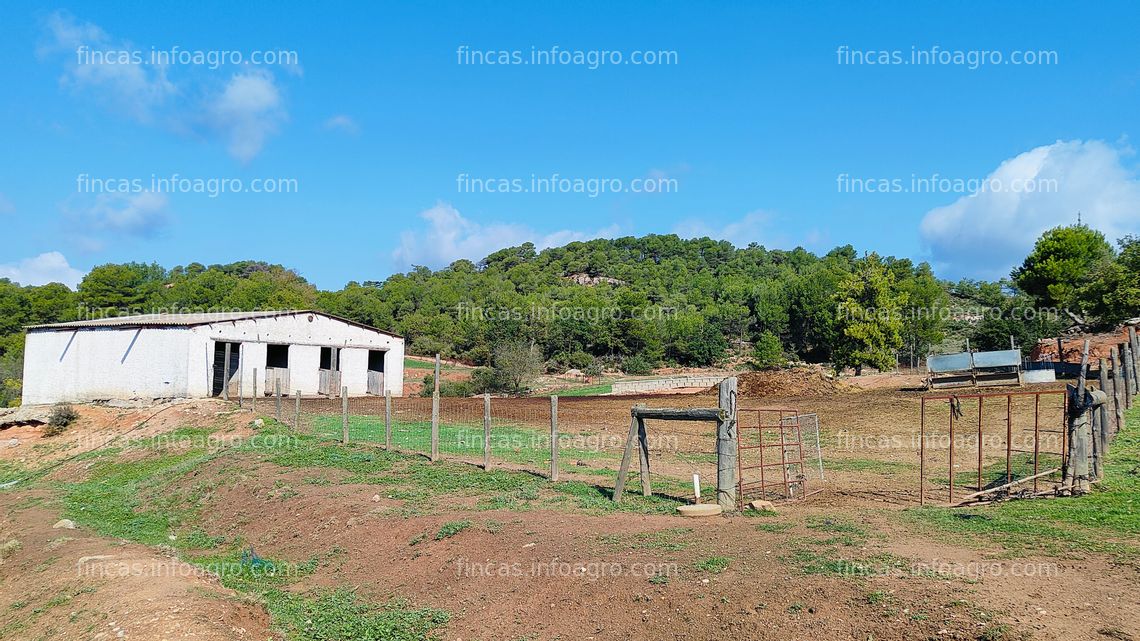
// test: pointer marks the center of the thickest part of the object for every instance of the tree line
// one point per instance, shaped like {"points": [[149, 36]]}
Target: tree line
{"points": [[630, 303]]}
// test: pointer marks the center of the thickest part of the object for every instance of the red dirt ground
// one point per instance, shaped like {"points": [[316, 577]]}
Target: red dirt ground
{"points": [[503, 577]]}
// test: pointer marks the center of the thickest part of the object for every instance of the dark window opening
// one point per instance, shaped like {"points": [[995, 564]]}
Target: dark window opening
{"points": [[376, 360], [277, 356], [327, 358], [221, 373]]}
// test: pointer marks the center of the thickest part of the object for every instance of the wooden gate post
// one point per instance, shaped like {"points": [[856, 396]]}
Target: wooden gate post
{"points": [[726, 446], [253, 401], [297, 412], [643, 457], [277, 397], [623, 470]]}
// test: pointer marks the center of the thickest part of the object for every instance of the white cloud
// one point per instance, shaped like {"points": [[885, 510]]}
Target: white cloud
{"points": [[142, 215], [986, 233], [247, 112], [754, 227], [244, 111], [49, 267], [95, 64], [449, 236], [343, 124]]}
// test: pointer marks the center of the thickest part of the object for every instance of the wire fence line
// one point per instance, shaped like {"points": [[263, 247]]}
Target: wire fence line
{"points": [[588, 433]]}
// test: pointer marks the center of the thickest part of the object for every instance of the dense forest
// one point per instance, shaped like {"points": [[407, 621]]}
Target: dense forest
{"points": [[635, 303]]}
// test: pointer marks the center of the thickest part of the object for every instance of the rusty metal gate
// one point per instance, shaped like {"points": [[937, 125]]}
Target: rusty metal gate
{"points": [[1028, 423], [770, 454]]}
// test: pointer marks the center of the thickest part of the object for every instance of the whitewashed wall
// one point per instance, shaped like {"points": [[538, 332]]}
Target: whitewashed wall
{"points": [[95, 364], [98, 364]]}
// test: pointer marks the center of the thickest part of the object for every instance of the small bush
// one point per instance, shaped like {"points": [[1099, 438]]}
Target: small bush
{"points": [[62, 416], [637, 366], [768, 352]]}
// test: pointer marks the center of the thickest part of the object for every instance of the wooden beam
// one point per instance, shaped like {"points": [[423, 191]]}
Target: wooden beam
{"points": [[623, 471], [673, 414]]}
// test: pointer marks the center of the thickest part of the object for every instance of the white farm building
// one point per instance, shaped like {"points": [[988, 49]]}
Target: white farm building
{"points": [[157, 356]]}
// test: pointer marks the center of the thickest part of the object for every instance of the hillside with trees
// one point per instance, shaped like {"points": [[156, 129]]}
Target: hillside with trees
{"points": [[633, 303]]}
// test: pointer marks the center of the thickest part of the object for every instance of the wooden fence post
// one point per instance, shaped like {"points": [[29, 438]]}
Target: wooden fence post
{"points": [[1101, 435], [241, 378], [1117, 389], [387, 419], [253, 400], [554, 438], [623, 470], [435, 426], [277, 399], [643, 458], [344, 415], [726, 446], [486, 431], [1129, 377], [1134, 342], [297, 412], [226, 373]]}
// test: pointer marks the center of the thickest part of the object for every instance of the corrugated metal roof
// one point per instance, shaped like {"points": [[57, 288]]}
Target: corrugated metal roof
{"points": [[189, 320]]}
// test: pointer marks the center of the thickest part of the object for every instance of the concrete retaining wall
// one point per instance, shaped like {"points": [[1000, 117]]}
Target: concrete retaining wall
{"points": [[673, 382]]}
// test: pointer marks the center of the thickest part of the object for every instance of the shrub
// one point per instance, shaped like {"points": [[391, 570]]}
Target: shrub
{"points": [[636, 365], [768, 352], [62, 416]]}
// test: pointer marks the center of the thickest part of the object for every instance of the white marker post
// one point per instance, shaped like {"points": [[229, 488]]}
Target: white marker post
{"points": [[697, 486]]}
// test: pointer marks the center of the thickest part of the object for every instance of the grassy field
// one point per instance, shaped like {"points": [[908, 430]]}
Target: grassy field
{"points": [[1102, 521]]}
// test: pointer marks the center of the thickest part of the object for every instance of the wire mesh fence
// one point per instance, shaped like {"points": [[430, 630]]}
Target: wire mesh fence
{"points": [[589, 433]]}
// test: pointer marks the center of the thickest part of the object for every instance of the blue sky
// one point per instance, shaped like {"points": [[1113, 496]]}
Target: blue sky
{"points": [[764, 127]]}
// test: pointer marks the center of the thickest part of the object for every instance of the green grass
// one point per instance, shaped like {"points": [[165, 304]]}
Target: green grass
{"points": [[585, 390], [669, 540], [338, 614], [714, 564], [867, 465], [451, 528], [411, 363], [1106, 520], [512, 444]]}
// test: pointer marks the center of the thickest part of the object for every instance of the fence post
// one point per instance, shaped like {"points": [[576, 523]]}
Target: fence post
{"points": [[1129, 377], [344, 415], [277, 399], [1134, 342], [226, 373], [1117, 389], [486, 431], [241, 378], [553, 437], [726, 445], [1102, 434], [253, 400], [387, 419], [434, 426], [297, 413]]}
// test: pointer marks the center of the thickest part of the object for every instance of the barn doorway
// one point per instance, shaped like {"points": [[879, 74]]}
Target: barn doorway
{"points": [[276, 368], [329, 383], [376, 371], [224, 375]]}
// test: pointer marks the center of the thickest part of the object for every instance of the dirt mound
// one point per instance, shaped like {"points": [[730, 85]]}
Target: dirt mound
{"points": [[799, 381]]}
